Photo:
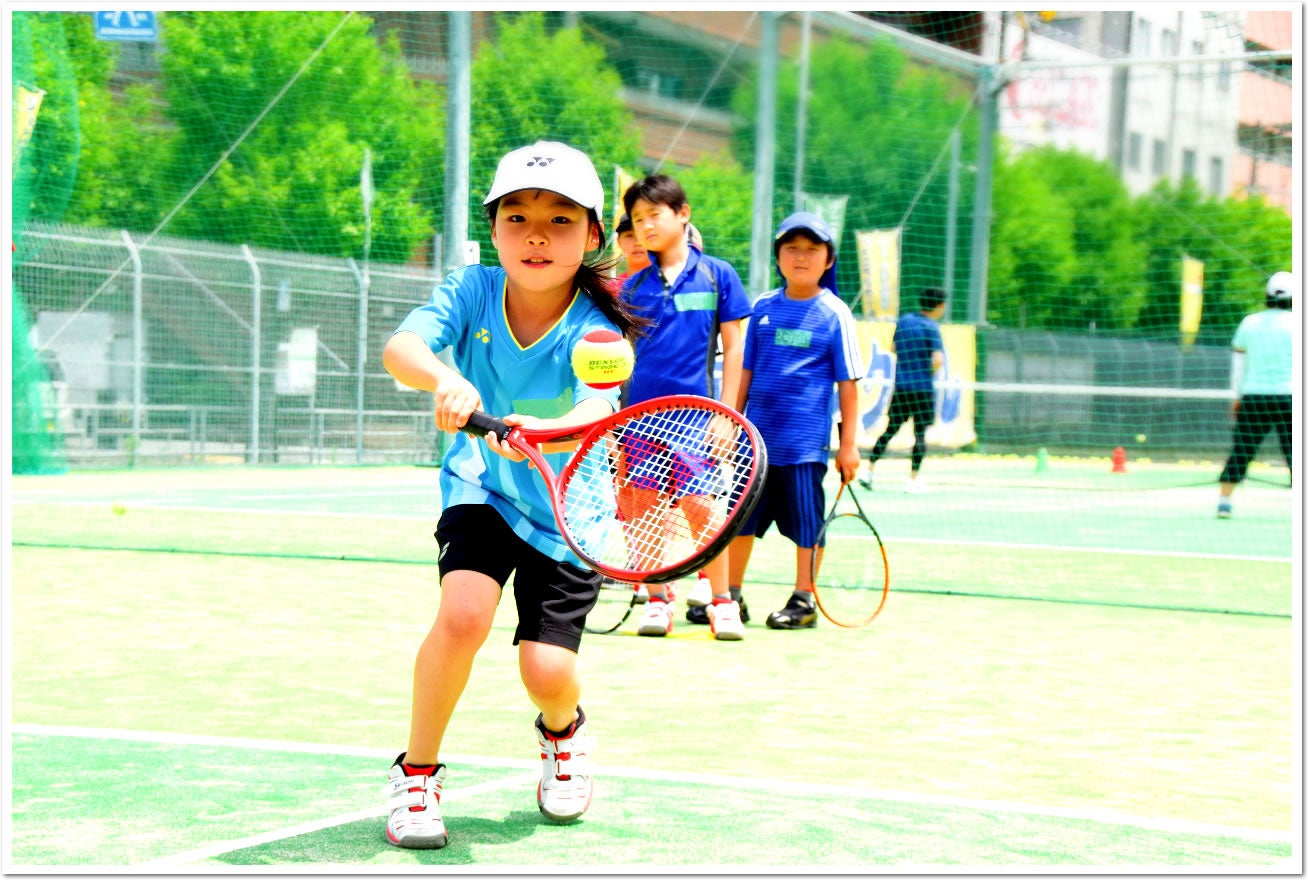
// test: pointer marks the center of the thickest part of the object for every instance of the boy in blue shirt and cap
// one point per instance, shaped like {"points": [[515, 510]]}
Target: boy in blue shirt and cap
{"points": [[801, 344]]}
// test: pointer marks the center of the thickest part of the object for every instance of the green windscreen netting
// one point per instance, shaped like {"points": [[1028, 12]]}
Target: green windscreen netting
{"points": [[42, 172]]}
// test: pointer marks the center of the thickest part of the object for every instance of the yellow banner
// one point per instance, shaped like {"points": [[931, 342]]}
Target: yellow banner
{"points": [[878, 269], [955, 424], [622, 181], [1192, 298], [27, 103]]}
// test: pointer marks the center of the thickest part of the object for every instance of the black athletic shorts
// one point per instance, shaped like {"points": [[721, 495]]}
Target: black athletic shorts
{"points": [[920, 406], [553, 598]]}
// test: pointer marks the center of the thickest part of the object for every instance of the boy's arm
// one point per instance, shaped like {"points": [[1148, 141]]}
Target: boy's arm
{"points": [[733, 358], [847, 457], [742, 394]]}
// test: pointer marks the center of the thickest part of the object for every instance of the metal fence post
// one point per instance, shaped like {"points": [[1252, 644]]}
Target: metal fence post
{"points": [[256, 345], [362, 278], [138, 342], [985, 164], [765, 130]]}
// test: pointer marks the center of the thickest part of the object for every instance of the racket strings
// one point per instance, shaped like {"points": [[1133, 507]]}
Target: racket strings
{"points": [[852, 579], [656, 489]]}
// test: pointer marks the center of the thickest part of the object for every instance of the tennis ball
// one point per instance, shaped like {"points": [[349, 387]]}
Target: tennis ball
{"points": [[603, 359], [1140, 438], [119, 509]]}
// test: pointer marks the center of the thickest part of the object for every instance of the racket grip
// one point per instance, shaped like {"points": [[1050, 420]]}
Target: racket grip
{"points": [[480, 424]]}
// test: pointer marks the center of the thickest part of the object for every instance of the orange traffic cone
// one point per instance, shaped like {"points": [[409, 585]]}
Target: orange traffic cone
{"points": [[1119, 460]]}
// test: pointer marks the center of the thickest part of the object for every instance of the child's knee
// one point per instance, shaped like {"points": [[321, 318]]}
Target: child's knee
{"points": [[547, 671]]}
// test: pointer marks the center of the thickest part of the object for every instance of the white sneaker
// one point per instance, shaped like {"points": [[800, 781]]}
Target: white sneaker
{"points": [[916, 487], [565, 784], [415, 802], [657, 619], [724, 621], [700, 594]]}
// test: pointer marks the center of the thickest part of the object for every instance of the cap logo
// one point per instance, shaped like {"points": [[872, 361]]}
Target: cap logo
{"points": [[542, 161]]}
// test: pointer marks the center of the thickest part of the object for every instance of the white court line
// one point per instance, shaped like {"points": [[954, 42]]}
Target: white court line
{"points": [[1086, 814], [1055, 548], [1061, 548], [277, 512], [217, 849]]}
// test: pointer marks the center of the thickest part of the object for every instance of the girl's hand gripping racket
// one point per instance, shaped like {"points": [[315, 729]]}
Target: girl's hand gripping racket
{"points": [[669, 448], [851, 575]]}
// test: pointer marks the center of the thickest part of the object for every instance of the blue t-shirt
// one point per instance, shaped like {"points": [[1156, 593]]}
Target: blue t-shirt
{"points": [[796, 350], [917, 337], [466, 313], [676, 354]]}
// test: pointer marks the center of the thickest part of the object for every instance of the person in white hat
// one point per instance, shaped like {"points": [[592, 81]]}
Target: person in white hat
{"points": [[1262, 378], [511, 330]]}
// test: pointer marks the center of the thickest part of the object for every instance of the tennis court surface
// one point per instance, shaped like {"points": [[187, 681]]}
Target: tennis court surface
{"points": [[210, 670]]}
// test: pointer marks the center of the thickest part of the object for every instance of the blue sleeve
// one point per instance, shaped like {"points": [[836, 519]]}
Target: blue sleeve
{"points": [[846, 357], [937, 343], [751, 344], [733, 302], [441, 320]]}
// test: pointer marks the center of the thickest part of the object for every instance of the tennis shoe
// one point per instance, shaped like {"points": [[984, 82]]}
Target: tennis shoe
{"points": [[797, 614], [699, 613], [724, 621], [1224, 510], [701, 594], [565, 787], [415, 804], [865, 480], [657, 619]]}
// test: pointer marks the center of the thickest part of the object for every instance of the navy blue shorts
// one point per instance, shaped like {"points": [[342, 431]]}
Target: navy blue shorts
{"points": [[793, 498], [553, 597]]}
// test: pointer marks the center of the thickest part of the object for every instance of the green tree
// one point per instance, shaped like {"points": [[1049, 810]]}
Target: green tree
{"points": [[1240, 242], [530, 85], [294, 181], [1095, 275], [1032, 255], [900, 114], [721, 195]]}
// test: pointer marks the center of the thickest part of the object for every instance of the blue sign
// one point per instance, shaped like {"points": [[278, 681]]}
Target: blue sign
{"points": [[126, 26]]}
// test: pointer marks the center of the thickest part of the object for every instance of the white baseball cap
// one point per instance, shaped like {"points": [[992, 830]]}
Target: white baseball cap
{"points": [[552, 166], [1281, 286]]}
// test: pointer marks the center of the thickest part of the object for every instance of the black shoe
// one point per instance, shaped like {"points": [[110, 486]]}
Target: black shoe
{"points": [[797, 614], [699, 613]]}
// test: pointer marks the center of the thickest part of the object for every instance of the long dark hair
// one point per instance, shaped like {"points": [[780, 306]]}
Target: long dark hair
{"points": [[593, 281]]}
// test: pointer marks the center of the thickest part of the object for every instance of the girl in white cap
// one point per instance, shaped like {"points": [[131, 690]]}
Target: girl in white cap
{"points": [[511, 330]]}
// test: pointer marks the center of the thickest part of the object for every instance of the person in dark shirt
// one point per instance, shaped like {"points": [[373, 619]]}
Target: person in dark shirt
{"points": [[920, 354]]}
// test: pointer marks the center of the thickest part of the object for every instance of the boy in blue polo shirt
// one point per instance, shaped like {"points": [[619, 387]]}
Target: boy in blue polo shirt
{"points": [[802, 342], [691, 299], [919, 354]]}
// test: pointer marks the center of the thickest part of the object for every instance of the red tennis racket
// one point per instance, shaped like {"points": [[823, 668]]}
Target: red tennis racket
{"points": [[653, 491]]}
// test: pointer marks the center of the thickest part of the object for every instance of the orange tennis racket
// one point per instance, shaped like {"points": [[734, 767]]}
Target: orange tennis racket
{"points": [[851, 574]]}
